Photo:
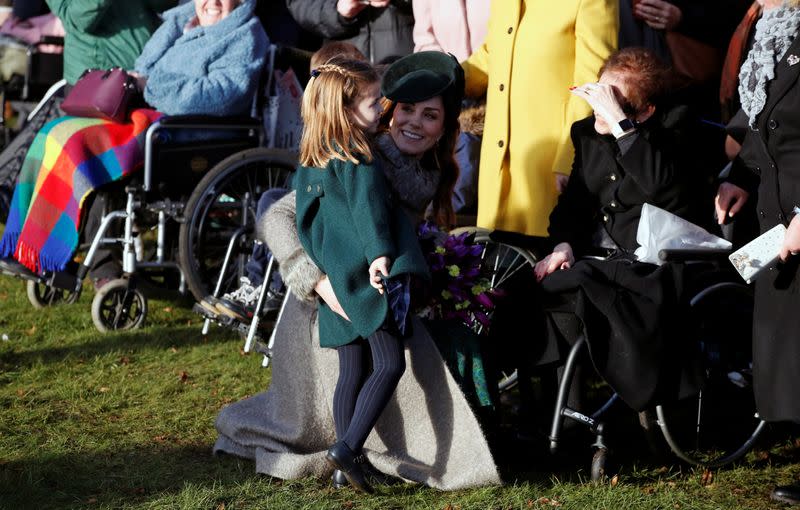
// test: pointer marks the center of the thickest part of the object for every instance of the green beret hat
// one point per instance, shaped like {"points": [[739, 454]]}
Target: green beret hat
{"points": [[423, 75]]}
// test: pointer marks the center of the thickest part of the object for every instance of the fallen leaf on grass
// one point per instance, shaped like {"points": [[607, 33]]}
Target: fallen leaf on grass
{"points": [[348, 504], [615, 480], [91, 501], [707, 478], [649, 490], [184, 376], [548, 501], [31, 331], [530, 503], [173, 350], [160, 439], [104, 389], [448, 507], [221, 506], [21, 393], [124, 360], [168, 309]]}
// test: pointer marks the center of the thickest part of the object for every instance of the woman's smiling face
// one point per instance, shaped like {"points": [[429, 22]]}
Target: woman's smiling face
{"points": [[416, 127], [210, 12]]}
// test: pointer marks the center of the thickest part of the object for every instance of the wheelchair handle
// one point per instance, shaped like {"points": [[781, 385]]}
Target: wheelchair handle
{"points": [[681, 255]]}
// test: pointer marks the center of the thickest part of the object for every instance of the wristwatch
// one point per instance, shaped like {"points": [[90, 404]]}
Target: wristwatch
{"points": [[622, 128]]}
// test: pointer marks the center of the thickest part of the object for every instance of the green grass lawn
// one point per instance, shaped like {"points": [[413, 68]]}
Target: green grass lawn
{"points": [[126, 420]]}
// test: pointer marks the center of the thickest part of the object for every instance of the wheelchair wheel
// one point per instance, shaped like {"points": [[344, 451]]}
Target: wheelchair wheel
{"points": [[117, 306], [41, 295], [720, 424], [223, 201], [501, 261]]}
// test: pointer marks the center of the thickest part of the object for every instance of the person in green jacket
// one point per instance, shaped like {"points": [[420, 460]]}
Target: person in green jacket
{"points": [[368, 249], [101, 34]]}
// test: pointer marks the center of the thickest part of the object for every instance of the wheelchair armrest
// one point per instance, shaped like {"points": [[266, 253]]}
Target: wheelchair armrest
{"points": [[679, 255], [204, 121]]}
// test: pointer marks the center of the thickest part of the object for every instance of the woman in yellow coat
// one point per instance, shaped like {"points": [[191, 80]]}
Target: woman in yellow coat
{"points": [[534, 51]]}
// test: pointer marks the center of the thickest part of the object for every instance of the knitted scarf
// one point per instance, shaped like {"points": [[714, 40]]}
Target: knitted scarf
{"points": [[775, 32], [413, 185]]}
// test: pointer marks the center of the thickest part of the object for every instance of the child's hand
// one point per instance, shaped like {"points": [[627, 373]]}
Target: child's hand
{"points": [[325, 291], [378, 268]]}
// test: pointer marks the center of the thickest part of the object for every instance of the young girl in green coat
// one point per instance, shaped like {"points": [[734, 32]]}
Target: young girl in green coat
{"points": [[366, 246]]}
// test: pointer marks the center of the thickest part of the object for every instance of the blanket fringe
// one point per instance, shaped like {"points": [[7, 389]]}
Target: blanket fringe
{"points": [[8, 243], [28, 256]]}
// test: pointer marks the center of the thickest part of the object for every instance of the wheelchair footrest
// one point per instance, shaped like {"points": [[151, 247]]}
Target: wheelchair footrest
{"points": [[262, 348], [221, 319]]}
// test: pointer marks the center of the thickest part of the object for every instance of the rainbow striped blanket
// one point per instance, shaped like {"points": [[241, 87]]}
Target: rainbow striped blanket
{"points": [[69, 157]]}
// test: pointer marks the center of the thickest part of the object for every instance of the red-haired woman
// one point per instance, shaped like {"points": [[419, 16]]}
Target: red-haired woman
{"points": [[632, 151]]}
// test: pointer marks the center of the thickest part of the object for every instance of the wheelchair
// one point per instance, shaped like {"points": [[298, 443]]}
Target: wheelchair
{"points": [[205, 193], [714, 427]]}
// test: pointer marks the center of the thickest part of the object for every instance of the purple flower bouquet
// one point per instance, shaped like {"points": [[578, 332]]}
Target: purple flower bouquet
{"points": [[460, 288]]}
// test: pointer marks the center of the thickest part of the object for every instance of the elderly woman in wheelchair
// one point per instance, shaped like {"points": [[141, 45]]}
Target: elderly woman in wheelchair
{"points": [[632, 316], [205, 58]]}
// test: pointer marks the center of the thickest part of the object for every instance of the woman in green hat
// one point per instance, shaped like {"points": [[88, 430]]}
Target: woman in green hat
{"points": [[428, 433]]}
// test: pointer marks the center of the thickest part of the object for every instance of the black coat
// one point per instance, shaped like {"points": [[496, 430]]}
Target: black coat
{"points": [[608, 187], [770, 159], [626, 309], [378, 32]]}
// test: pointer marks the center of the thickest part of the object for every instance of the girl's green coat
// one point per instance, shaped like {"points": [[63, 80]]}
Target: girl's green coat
{"points": [[345, 220]]}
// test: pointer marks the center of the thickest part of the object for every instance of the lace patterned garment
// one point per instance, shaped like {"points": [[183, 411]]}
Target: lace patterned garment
{"points": [[775, 32]]}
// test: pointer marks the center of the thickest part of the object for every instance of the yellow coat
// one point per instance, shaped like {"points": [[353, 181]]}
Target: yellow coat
{"points": [[534, 51]]}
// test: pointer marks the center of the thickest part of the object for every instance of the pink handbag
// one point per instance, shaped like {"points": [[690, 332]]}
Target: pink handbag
{"points": [[101, 94]]}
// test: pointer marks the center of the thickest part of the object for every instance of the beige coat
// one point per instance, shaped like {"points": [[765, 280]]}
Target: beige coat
{"points": [[427, 433], [534, 51]]}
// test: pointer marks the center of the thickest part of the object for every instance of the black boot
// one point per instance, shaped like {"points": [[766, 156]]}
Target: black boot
{"points": [[339, 480], [787, 494], [343, 458]]}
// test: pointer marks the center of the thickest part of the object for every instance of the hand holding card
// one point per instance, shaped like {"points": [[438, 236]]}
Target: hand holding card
{"points": [[760, 254]]}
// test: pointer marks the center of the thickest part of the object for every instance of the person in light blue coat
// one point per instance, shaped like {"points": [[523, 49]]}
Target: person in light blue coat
{"points": [[205, 58]]}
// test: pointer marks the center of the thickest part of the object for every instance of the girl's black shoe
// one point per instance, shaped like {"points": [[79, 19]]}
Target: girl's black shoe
{"points": [[787, 494], [343, 458], [339, 480]]}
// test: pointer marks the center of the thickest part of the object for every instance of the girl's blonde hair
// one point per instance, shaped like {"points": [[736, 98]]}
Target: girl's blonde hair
{"points": [[328, 132]]}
